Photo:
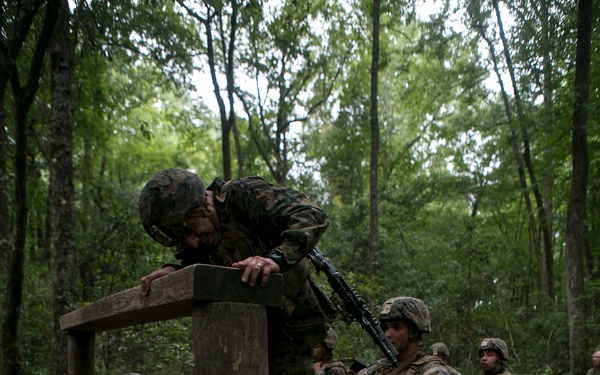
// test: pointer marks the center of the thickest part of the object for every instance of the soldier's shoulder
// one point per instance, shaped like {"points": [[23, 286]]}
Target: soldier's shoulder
{"points": [[336, 370], [432, 365], [373, 369], [249, 181]]}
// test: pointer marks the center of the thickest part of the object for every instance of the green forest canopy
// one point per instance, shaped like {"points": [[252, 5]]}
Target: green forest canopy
{"points": [[468, 160]]}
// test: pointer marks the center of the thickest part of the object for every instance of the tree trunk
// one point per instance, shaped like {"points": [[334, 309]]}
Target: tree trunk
{"points": [[4, 181], [373, 186], [225, 122], [534, 243], [540, 232], [23, 97], [11, 364], [231, 87], [575, 236], [61, 164], [548, 177]]}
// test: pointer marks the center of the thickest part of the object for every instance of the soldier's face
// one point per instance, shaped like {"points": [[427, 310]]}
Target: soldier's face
{"points": [[398, 333], [199, 233], [596, 359], [318, 351], [489, 360]]}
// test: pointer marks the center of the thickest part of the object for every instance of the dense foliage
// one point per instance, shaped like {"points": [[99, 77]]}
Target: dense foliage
{"points": [[458, 226]]}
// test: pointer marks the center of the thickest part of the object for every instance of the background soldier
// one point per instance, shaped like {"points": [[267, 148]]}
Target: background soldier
{"points": [[325, 364], [404, 320], [493, 355], [253, 225], [440, 350], [596, 363]]}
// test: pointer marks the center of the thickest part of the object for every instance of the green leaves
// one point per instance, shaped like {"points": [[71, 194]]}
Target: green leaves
{"points": [[453, 226]]}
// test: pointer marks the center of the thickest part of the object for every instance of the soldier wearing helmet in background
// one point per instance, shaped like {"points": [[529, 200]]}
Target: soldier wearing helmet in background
{"points": [[250, 224], [404, 320], [493, 355], [595, 370], [440, 350], [324, 362]]}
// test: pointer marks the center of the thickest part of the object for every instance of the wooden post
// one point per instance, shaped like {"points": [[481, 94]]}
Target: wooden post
{"points": [[230, 338], [80, 346], [229, 318]]}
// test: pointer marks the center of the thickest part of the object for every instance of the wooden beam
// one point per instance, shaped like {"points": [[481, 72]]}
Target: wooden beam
{"points": [[172, 296]]}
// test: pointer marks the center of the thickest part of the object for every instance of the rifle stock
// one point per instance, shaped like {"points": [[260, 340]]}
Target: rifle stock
{"points": [[354, 305]]}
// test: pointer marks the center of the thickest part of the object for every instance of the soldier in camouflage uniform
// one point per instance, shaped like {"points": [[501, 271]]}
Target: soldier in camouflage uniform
{"points": [[493, 355], [325, 364], [250, 224], [596, 363], [404, 320], [440, 350]]}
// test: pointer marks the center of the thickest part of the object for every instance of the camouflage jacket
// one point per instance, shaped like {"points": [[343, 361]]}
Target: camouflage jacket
{"points": [[420, 364], [259, 218], [332, 367], [501, 371]]}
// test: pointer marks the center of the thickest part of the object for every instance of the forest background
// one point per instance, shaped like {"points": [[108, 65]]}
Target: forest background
{"points": [[454, 149]]}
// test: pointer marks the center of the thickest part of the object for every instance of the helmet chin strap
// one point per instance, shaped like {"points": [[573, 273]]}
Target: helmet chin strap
{"points": [[412, 338], [206, 212], [215, 223]]}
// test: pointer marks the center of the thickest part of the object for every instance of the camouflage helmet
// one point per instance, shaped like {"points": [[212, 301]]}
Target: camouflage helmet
{"points": [[495, 344], [439, 348], [331, 341], [407, 308], [168, 198]]}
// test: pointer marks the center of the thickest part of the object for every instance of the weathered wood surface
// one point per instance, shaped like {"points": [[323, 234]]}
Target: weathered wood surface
{"points": [[172, 296], [81, 349], [230, 338]]}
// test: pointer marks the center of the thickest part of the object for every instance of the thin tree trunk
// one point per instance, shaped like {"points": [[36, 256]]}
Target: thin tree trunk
{"points": [[374, 214], [4, 182], [548, 177], [48, 221], [546, 273], [61, 164], [575, 236], [23, 97], [226, 123], [231, 87], [533, 233], [11, 364], [87, 255]]}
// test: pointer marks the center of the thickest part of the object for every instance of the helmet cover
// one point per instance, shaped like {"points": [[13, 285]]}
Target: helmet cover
{"points": [[439, 348], [409, 309], [331, 341], [166, 200], [495, 344]]}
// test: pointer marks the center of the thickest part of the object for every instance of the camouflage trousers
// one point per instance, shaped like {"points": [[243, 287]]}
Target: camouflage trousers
{"points": [[291, 341]]}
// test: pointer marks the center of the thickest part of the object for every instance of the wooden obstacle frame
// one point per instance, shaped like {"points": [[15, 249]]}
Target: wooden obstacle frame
{"points": [[229, 318]]}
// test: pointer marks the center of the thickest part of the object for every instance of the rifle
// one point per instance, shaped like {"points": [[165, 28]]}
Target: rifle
{"points": [[354, 307]]}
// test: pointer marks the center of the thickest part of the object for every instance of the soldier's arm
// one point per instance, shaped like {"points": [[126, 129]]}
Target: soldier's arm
{"points": [[293, 222]]}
